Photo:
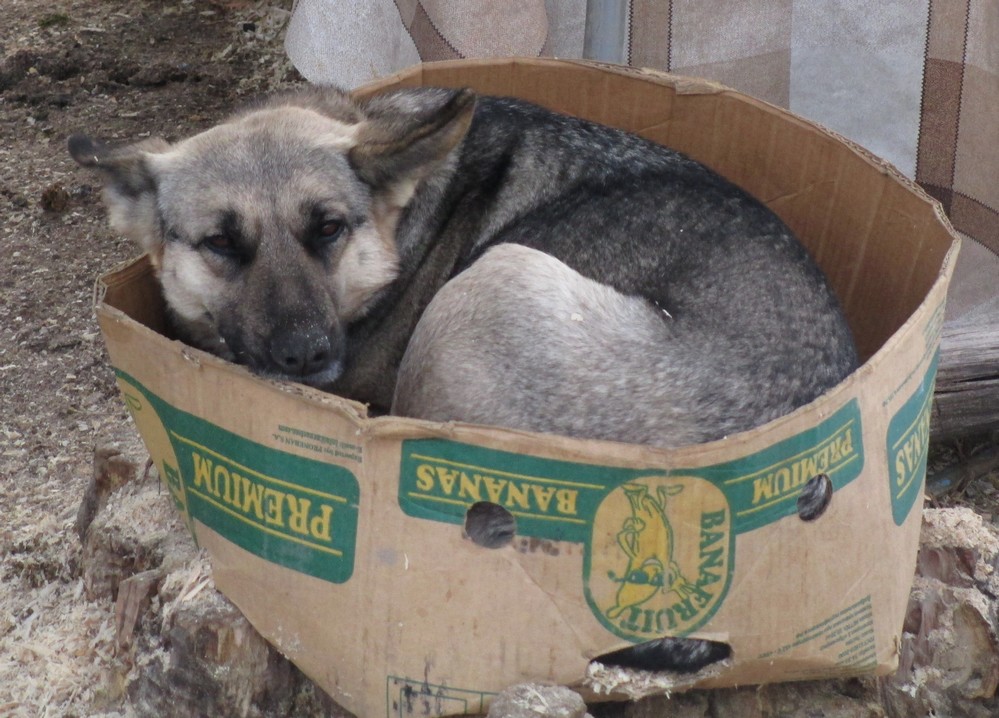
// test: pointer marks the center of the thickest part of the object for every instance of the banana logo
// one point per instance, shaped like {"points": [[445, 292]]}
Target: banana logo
{"points": [[646, 537], [660, 556]]}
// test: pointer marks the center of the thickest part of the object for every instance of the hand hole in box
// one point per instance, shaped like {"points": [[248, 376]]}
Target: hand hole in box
{"points": [[490, 525], [677, 655], [814, 497]]}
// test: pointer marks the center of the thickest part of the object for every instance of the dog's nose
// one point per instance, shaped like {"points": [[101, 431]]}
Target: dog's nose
{"points": [[299, 352]]}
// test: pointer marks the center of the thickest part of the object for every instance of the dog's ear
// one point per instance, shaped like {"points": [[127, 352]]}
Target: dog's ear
{"points": [[125, 168], [406, 135], [130, 186]]}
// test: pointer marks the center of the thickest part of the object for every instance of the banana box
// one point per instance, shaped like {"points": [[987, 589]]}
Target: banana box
{"points": [[353, 543]]}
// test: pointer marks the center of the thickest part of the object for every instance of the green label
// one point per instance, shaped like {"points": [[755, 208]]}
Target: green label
{"points": [[554, 500], [647, 570], [764, 487], [292, 511], [908, 447]]}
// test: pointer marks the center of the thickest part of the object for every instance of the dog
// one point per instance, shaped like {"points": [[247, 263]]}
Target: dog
{"points": [[448, 256]]}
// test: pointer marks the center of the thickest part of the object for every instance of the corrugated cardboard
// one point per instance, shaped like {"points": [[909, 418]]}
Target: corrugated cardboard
{"points": [[341, 536]]}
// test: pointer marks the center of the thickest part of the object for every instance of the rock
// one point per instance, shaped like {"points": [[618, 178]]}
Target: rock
{"points": [[54, 198], [531, 700], [949, 657]]}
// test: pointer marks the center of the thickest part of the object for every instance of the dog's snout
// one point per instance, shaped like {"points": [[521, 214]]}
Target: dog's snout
{"points": [[299, 352]]}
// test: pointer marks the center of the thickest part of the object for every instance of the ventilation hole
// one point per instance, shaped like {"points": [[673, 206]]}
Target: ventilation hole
{"points": [[490, 525], [814, 497], [678, 655]]}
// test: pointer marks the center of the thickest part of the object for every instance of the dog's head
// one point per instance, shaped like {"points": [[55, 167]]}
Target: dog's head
{"points": [[273, 231]]}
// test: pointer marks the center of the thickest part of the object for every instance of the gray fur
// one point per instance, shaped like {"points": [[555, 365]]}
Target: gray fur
{"points": [[577, 357]]}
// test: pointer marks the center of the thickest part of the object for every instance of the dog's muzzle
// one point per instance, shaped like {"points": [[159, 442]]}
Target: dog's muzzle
{"points": [[309, 356]]}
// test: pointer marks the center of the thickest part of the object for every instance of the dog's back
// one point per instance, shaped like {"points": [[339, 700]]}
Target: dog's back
{"points": [[721, 321]]}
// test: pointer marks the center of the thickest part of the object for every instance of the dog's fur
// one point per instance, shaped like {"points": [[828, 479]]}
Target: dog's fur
{"points": [[481, 259]]}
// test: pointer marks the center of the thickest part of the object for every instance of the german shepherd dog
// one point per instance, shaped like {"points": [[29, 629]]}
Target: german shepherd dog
{"points": [[452, 257]]}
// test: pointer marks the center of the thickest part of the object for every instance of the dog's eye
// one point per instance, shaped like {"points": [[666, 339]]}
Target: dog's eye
{"points": [[220, 244], [330, 230]]}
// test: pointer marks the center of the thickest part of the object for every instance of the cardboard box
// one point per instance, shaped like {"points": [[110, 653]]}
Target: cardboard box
{"points": [[341, 536]]}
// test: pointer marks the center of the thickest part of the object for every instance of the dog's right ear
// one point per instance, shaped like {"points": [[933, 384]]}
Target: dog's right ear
{"points": [[396, 147], [129, 186]]}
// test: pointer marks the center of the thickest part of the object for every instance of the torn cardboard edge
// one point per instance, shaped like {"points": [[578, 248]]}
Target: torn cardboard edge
{"points": [[341, 537]]}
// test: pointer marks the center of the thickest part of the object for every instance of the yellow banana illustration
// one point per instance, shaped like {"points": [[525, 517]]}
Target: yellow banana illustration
{"points": [[646, 538]]}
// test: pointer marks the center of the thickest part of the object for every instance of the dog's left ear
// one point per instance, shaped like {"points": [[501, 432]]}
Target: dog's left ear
{"points": [[123, 167], [129, 187], [394, 149]]}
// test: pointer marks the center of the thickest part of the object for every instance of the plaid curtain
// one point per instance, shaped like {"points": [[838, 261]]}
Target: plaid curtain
{"points": [[958, 159], [915, 81]]}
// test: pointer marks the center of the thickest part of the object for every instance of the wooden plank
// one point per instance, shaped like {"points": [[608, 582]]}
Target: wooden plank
{"points": [[967, 391]]}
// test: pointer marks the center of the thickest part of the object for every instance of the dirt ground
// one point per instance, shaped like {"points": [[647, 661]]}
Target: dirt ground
{"points": [[118, 70]]}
